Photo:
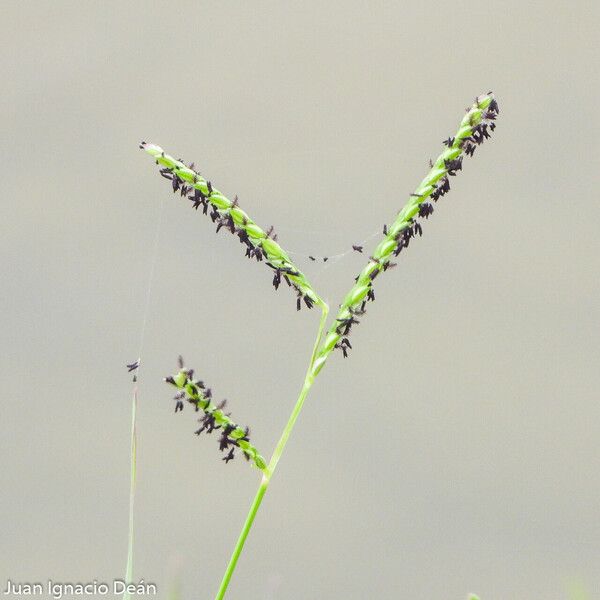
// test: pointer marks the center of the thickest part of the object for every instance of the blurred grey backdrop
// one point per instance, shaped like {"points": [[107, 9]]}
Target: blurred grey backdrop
{"points": [[456, 450]]}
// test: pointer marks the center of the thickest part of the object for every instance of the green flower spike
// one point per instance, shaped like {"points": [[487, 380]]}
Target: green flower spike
{"points": [[232, 435], [228, 215], [474, 129]]}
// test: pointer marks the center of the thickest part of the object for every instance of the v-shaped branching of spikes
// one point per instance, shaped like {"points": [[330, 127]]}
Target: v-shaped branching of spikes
{"points": [[232, 436], [230, 217], [475, 127]]}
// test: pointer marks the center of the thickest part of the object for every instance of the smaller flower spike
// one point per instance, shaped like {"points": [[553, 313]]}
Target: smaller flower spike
{"points": [[228, 216], [232, 435]]}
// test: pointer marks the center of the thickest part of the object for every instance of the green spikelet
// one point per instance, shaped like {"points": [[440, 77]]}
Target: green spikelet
{"points": [[228, 215], [232, 435], [474, 129]]}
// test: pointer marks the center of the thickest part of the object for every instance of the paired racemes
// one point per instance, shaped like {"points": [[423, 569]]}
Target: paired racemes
{"points": [[262, 245]]}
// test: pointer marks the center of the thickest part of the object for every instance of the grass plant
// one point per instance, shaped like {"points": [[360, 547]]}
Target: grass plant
{"points": [[262, 245]]}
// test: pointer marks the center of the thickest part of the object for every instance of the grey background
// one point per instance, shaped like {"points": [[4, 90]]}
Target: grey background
{"points": [[457, 448]]}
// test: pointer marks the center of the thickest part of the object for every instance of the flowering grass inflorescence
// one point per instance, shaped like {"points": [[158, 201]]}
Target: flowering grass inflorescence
{"points": [[474, 129], [230, 217], [232, 435]]}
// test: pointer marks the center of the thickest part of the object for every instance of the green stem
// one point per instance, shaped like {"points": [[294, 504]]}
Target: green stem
{"points": [[268, 471], [129, 570], [242, 538]]}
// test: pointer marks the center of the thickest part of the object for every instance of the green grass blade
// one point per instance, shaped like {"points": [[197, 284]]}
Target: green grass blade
{"points": [[129, 570]]}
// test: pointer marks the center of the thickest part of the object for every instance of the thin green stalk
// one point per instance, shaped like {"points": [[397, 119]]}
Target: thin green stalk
{"points": [[242, 538], [129, 570], [268, 472], [308, 381]]}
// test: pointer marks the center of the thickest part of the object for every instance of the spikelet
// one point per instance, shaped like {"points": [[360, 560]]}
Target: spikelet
{"points": [[475, 127], [232, 436], [227, 215]]}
